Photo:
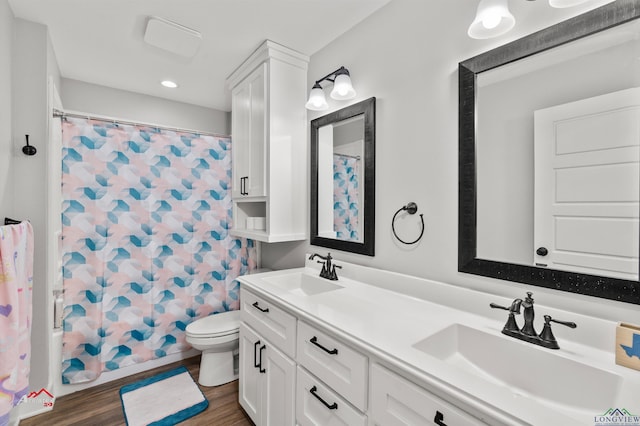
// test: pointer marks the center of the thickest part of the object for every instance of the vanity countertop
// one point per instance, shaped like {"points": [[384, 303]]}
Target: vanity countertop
{"points": [[390, 325]]}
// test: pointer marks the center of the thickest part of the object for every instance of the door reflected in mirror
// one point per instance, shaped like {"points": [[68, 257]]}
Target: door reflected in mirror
{"points": [[342, 178]]}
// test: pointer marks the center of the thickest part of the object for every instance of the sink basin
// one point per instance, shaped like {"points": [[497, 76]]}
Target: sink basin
{"points": [[303, 284], [526, 369]]}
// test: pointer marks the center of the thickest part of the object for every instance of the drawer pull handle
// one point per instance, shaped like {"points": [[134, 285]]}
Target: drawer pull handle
{"points": [[255, 354], [260, 369], [314, 340], [439, 419], [314, 391], [265, 310]]}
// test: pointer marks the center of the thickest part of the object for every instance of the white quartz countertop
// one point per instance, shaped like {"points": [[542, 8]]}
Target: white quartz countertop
{"points": [[388, 324]]}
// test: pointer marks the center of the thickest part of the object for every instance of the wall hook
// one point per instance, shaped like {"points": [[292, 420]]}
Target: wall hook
{"points": [[410, 208], [29, 149]]}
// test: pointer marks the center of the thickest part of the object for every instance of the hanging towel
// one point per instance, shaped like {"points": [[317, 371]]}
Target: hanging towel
{"points": [[16, 278]]}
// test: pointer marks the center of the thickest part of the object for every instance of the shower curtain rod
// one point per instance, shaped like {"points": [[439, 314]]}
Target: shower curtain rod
{"points": [[63, 114], [357, 157]]}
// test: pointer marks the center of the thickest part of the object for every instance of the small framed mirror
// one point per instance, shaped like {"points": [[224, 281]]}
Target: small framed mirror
{"points": [[343, 179]]}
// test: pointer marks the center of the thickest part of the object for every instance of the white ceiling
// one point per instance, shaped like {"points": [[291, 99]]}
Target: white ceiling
{"points": [[101, 41]]}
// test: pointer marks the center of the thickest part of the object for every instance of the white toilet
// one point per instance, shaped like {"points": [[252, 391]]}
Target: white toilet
{"points": [[217, 337]]}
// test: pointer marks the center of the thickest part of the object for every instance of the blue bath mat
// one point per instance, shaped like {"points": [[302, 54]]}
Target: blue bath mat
{"points": [[165, 399]]}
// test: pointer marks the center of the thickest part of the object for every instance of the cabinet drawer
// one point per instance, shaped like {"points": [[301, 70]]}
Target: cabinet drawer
{"points": [[396, 401], [274, 324], [333, 362], [312, 395]]}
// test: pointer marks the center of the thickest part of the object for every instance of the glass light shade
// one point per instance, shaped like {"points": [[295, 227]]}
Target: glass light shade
{"points": [[342, 88], [560, 4], [317, 101], [492, 19]]}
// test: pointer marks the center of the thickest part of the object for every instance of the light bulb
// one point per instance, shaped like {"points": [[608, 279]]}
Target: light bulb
{"points": [[492, 21]]}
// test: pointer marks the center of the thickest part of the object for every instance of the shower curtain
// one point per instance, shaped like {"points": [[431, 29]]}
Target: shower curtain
{"points": [[16, 279], [146, 248], [346, 197]]}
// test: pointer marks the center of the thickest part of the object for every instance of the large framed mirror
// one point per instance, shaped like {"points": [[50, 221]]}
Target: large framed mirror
{"points": [[549, 133], [343, 179]]}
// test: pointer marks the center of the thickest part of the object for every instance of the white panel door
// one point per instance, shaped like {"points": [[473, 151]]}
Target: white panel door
{"points": [[587, 185]]}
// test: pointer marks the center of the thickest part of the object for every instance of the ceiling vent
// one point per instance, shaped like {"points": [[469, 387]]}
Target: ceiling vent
{"points": [[172, 37]]}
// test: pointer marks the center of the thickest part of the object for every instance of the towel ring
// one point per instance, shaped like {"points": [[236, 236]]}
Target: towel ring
{"points": [[410, 208]]}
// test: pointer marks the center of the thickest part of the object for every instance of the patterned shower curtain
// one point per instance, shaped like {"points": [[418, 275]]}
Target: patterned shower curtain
{"points": [[346, 197], [146, 248]]}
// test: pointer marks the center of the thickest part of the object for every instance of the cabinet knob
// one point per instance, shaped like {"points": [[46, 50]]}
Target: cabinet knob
{"points": [[542, 251]]}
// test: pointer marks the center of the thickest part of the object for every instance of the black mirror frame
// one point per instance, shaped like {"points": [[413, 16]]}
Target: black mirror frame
{"points": [[368, 108], [602, 18]]}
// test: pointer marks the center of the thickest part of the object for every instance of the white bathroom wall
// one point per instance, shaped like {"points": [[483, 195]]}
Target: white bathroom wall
{"points": [[6, 169], [406, 55], [33, 60], [100, 100]]}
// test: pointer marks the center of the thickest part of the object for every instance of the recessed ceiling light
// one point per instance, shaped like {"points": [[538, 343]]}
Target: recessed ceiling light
{"points": [[170, 84]]}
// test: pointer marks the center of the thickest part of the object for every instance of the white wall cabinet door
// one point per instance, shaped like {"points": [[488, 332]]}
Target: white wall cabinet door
{"points": [[249, 135]]}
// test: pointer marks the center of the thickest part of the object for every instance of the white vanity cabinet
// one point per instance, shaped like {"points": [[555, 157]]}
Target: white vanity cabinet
{"points": [[267, 374], [397, 401], [295, 371], [269, 144]]}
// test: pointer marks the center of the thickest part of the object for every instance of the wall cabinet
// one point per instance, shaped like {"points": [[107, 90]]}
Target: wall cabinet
{"points": [[269, 145]]}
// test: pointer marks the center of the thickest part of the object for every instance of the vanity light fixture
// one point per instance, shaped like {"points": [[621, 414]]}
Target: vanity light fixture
{"points": [[493, 18], [342, 90]]}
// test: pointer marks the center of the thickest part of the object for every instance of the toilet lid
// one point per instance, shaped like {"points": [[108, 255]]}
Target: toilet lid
{"points": [[216, 325]]}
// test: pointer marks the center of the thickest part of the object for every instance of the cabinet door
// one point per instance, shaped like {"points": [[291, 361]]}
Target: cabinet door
{"points": [[396, 401], [279, 380], [249, 135], [250, 378], [255, 184]]}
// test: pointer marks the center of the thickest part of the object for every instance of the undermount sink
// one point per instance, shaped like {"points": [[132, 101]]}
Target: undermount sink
{"points": [[303, 284], [526, 369]]}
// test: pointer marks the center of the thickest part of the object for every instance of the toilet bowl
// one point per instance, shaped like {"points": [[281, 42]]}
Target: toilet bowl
{"points": [[217, 337]]}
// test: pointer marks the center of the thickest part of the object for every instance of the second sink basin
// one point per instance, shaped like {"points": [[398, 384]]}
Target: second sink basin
{"points": [[303, 284], [526, 369]]}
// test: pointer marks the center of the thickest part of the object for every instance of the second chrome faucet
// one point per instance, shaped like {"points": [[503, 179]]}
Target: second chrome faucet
{"points": [[528, 332]]}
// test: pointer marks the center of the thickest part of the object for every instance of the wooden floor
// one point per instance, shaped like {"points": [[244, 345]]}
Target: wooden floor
{"points": [[101, 405]]}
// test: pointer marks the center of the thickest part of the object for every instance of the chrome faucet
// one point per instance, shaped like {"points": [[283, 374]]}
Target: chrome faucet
{"points": [[527, 332], [328, 269]]}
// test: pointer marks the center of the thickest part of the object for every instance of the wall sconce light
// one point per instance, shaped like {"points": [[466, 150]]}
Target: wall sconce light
{"points": [[342, 90], [493, 18]]}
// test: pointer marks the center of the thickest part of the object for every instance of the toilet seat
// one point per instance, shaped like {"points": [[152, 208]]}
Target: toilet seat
{"points": [[216, 325]]}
